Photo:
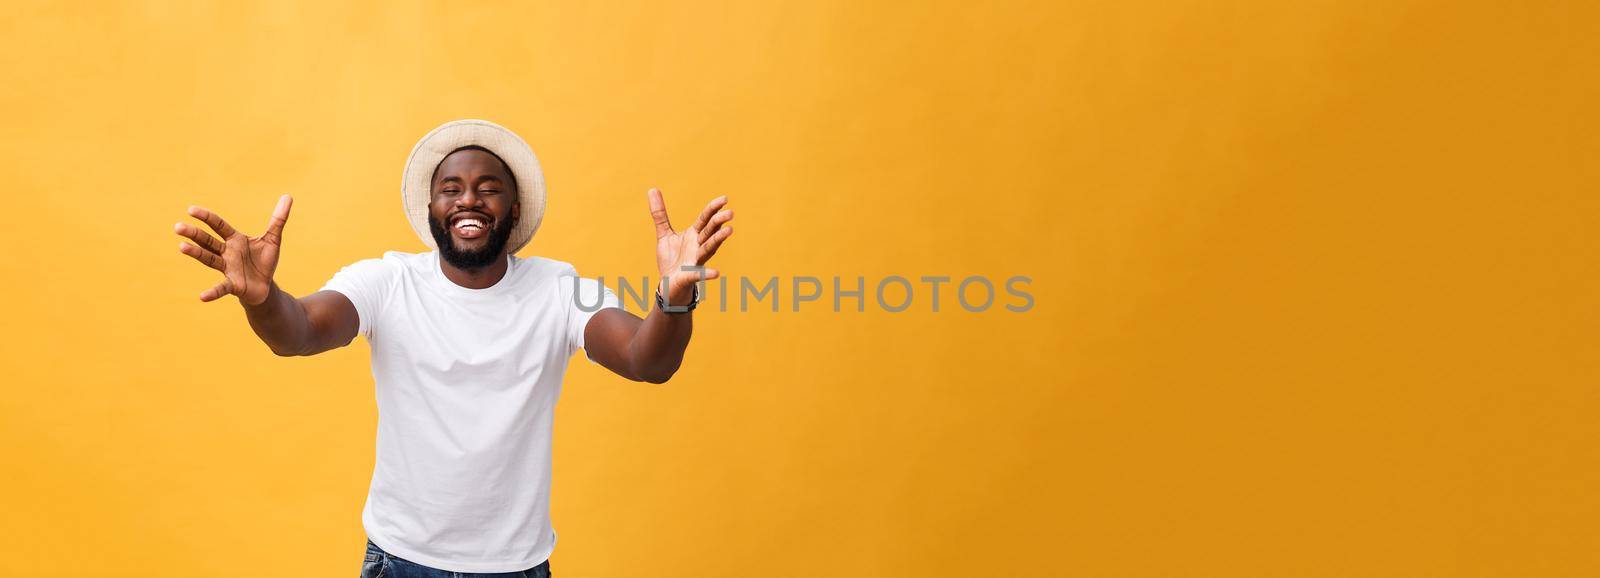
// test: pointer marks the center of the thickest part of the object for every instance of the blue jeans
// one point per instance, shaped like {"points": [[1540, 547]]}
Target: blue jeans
{"points": [[381, 564]]}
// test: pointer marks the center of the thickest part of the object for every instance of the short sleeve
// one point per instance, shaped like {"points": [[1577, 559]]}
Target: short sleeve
{"points": [[366, 284], [583, 298]]}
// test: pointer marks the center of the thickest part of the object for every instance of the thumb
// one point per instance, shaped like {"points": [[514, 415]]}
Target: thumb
{"points": [[280, 216]]}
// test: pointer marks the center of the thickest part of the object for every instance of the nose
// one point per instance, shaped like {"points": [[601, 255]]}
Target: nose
{"points": [[469, 199]]}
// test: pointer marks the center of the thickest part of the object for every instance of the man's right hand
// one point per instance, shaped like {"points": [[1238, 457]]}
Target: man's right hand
{"points": [[246, 262]]}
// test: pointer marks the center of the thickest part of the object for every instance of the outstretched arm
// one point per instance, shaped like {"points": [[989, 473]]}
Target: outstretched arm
{"points": [[289, 326], [306, 326], [651, 349]]}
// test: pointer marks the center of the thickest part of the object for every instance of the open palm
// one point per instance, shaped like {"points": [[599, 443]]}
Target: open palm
{"points": [[691, 247], [246, 263]]}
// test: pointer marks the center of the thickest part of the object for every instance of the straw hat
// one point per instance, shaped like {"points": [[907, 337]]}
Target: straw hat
{"points": [[416, 185]]}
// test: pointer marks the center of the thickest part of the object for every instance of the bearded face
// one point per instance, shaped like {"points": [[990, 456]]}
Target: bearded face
{"points": [[473, 209]]}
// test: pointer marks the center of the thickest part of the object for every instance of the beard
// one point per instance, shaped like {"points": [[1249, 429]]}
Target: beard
{"points": [[473, 259]]}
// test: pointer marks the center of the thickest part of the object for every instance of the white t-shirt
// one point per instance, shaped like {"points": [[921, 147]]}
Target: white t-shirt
{"points": [[466, 384]]}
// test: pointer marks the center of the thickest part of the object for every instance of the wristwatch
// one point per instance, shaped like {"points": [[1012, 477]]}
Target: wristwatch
{"points": [[661, 302]]}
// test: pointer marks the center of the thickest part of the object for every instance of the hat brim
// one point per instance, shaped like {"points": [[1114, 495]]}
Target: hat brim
{"points": [[416, 185]]}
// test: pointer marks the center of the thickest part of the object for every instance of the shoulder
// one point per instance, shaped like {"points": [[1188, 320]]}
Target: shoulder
{"points": [[544, 267], [395, 262], [565, 278], [391, 264], [401, 260]]}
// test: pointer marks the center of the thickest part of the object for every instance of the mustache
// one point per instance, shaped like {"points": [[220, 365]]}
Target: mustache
{"points": [[452, 216]]}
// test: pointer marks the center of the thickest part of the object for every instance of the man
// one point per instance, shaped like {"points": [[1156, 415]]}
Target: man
{"points": [[469, 345]]}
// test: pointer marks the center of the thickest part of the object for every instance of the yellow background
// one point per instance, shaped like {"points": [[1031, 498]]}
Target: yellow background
{"points": [[1315, 281]]}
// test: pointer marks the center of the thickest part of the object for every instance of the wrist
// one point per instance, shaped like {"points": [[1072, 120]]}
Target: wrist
{"points": [[681, 293], [678, 299], [265, 297]]}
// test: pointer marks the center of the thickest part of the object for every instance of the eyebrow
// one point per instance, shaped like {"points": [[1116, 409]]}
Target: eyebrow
{"points": [[461, 180]]}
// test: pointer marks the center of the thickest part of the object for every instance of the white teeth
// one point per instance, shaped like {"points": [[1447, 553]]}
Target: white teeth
{"points": [[464, 223]]}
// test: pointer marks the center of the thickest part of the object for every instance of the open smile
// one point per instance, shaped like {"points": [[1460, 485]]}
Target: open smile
{"points": [[470, 225]]}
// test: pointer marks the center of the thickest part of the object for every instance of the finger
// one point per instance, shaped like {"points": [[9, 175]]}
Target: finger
{"points": [[711, 209], [205, 257], [658, 211], [215, 221], [201, 238], [710, 247], [716, 223], [709, 274], [221, 290], [280, 215]]}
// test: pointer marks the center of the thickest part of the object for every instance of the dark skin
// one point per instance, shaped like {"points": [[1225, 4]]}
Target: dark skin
{"points": [[468, 183]]}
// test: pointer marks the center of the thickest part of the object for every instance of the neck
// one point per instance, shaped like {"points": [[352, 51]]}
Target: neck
{"points": [[481, 278]]}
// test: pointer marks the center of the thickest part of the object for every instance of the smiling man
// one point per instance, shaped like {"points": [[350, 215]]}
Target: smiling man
{"points": [[469, 346]]}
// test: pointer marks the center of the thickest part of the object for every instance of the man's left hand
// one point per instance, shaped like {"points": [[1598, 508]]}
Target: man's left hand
{"points": [[692, 247]]}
